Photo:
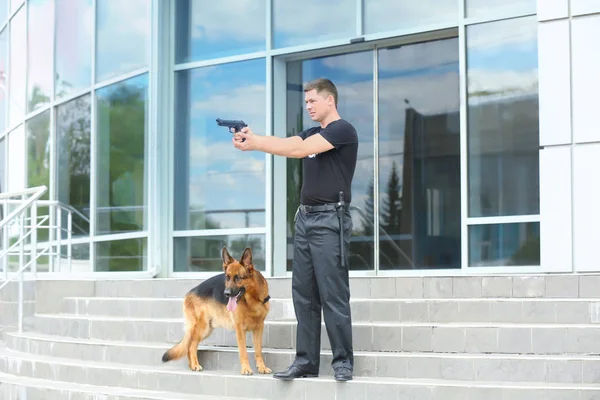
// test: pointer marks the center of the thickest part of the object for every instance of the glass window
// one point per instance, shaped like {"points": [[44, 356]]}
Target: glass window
{"points": [[17, 75], [14, 4], [296, 23], [2, 169], [215, 29], [121, 156], [121, 255], [419, 156], [38, 161], [391, 15], [216, 185], [3, 11], [73, 46], [16, 159], [123, 41], [477, 8], [38, 150], [503, 123], [73, 161], [3, 78], [40, 53], [499, 245], [203, 254], [353, 76]]}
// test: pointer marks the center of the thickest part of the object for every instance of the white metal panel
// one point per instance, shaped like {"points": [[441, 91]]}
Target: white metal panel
{"points": [[555, 209], [554, 83], [580, 7], [586, 206], [586, 81], [552, 9]]}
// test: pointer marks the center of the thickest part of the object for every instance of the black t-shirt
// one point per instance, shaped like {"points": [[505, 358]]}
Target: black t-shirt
{"points": [[326, 174]]}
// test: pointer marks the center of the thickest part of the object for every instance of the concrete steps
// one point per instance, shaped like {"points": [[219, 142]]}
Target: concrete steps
{"points": [[454, 337], [13, 387], [492, 338], [467, 367], [224, 383]]}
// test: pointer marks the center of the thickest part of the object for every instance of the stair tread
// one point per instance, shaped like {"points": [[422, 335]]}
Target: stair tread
{"points": [[266, 350], [458, 324], [62, 386], [175, 369]]}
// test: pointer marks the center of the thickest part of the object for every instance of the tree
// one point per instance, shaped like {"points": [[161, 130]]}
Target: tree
{"points": [[391, 213], [367, 215]]}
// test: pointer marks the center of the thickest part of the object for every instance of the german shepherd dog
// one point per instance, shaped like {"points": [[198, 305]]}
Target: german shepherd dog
{"points": [[236, 299]]}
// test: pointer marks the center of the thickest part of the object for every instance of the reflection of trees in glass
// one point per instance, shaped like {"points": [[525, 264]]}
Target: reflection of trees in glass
{"points": [[391, 207], [38, 148], [74, 152], [294, 179], [121, 151]]}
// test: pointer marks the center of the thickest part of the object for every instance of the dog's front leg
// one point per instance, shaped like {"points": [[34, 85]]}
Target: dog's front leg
{"points": [[240, 335], [257, 337]]}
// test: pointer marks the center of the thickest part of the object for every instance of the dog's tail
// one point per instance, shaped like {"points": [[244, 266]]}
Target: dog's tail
{"points": [[179, 350]]}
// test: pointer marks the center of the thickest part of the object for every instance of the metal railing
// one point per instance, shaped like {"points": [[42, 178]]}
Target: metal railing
{"points": [[25, 222]]}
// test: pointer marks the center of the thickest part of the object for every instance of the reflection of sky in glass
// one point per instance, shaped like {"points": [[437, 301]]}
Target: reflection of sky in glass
{"points": [[117, 20], [389, 15], [3, 77], [74, 29], [17, 74], [309, 21], [476, 8], [40, 53], [217, 29], [222, 177]]}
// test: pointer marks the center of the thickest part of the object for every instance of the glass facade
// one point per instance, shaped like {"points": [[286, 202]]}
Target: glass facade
{"points": [[113, 104]]}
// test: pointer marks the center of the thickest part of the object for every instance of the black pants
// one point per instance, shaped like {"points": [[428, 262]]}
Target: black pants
{"points": [[320, 281]]}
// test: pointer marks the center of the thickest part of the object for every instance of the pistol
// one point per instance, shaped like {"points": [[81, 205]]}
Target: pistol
{"points": [[237, 125]]}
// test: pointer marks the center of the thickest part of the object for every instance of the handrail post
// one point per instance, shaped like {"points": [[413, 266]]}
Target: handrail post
{"points": [[34, 239], [58, 236], [70, 237], [21, 272]]}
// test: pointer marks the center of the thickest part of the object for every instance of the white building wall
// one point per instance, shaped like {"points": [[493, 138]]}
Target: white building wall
{"points": [[569, 79]]}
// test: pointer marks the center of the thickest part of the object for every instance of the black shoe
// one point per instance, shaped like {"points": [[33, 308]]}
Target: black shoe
{"points": [[293, 372], [343, 374]]}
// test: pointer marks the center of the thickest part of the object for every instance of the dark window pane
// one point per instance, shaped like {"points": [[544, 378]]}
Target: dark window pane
{"points": [[73, 46], [203, 254], [296, 23], [73, 159], [216, 185], [207, 29], [477, 8], [503, 121], [40, 54], [419, 156], [390, 15], [121, 175], [123, 37], [17, 70], [121, 255], [499, 245], [353, 76]]}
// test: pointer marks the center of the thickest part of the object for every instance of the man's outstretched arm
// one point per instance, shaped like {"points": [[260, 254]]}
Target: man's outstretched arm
{"points": [[291, 147]]}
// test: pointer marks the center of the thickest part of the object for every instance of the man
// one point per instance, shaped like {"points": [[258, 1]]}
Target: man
{"points": [[319, 273]]}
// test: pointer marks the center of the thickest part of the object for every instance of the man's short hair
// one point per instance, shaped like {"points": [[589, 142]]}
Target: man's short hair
{"points": [[323, 85]]}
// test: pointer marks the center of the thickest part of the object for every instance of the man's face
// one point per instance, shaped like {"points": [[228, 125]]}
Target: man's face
{"points": [[318, 105]]}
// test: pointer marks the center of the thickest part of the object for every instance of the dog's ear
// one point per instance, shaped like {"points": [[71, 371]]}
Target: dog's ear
{"points": [[247, 259], [227, 259]]}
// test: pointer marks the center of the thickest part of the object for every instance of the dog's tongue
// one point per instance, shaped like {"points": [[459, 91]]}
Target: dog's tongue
{"points": [[232, 304]]}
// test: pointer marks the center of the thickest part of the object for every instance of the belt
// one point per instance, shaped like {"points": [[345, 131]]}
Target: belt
{"points": [[308, 208]]}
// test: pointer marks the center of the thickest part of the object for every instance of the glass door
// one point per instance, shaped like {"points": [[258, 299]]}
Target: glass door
{"points": [[404, 103], [418, 143]]}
